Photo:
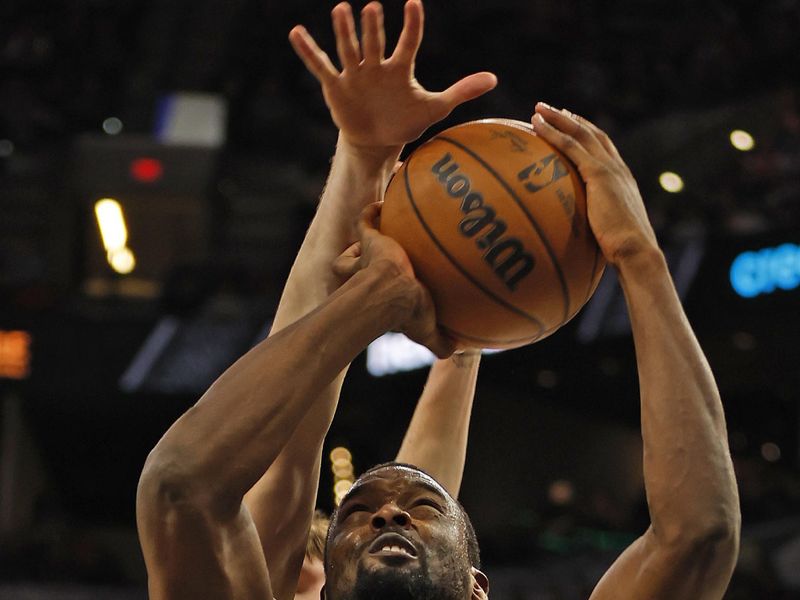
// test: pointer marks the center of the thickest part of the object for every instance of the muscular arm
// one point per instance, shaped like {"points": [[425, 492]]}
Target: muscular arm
{"points": [[282, 501], [378, 106], [690, 548], [197, 536], [436, 440]]}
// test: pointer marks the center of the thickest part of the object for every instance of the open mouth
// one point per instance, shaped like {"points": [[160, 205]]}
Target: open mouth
{"points": [[393, 545]]}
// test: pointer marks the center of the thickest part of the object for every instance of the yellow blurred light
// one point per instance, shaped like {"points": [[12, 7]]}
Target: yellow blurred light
{"points": [[122, 261], [671, 182], [341, 487], [343, 471], [341, 454], [742, 140], [112, 224]]}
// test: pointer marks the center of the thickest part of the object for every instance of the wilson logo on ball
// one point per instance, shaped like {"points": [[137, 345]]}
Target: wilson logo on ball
{"points": [[505, 255]]}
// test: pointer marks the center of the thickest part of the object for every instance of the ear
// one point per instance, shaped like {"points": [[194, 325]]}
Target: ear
{"points": [[480, 585]]}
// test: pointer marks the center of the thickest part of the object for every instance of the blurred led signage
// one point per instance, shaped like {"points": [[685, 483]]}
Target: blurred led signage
{"points": [[757, 272], [15, 354]]}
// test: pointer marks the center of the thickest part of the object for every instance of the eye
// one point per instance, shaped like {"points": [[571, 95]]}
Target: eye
{"points": [[354, 508], [428, 502]]}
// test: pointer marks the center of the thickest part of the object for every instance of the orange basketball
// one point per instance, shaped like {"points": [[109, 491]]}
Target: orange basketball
{"points": [[494, 221]]}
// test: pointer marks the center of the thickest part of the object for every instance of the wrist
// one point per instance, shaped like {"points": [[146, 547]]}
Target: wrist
{"points": [[645, 262], [396, 294], [374, 158]]}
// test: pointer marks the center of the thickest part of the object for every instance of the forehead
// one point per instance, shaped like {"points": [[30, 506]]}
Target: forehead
{"points": [[396, 479]]}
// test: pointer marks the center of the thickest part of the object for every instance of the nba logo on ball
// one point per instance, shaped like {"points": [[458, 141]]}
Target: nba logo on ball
{"points": [[494, 221]]}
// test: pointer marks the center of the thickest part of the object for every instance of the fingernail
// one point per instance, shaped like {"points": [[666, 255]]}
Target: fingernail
{"points": [[537, 118], [547, 106]]}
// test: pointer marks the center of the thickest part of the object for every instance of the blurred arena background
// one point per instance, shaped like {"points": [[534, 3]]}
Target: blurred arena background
{"points": [[197, 118]]}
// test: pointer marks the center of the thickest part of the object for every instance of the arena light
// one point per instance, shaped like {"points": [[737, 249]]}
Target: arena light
{"points": [[111, 221], [770, 452], [671, 182], [742, 140], [343, 473], [122, 261], [146, 169], [112, 126], [15, 354], [395, 353]]}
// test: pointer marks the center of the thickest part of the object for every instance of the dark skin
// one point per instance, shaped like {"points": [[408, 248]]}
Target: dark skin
{"points": [[399, 520]]}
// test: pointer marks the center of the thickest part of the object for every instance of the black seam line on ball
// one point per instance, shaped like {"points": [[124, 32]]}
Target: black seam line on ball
{"points": [[536, 226], [454, 332], [453, 261]]}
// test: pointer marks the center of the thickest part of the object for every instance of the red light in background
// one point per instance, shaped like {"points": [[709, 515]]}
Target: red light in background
{"points": [[146, 170]]}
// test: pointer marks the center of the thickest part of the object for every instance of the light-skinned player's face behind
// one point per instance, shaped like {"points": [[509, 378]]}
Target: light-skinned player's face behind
{"points": [[398, 535]]}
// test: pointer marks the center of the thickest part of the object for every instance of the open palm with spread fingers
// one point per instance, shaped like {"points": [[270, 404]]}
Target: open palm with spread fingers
{"points": [[376, 102]]}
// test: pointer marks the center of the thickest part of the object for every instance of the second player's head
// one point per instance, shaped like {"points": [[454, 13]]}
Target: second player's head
{"points": [[398, 535]]}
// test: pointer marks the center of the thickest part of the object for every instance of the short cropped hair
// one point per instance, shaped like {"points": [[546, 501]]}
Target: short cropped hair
{"points": [[473, 550], [317, 534]]}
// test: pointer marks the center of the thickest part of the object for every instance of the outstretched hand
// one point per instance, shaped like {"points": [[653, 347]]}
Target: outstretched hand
{"points": [[616, 212], [375, 249], [376, 102]]}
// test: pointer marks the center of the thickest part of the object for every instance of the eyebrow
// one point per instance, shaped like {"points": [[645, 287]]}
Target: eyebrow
{"points": [[359, 488]]}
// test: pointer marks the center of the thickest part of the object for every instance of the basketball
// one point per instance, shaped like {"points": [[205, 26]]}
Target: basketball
{"points": [[494, 221]]}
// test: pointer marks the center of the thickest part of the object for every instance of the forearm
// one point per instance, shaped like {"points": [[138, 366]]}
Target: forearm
{"points": [[687, 466], [357, 178], [222, 445], [436, 440]]}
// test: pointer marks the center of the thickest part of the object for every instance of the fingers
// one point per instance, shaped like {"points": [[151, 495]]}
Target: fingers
{"points": [[574, 127], [373, 35], [346, 40], [315, 60], [370, 218], [466, 89], [411, 36], [563, 141], [348, 262], [601, 135]]}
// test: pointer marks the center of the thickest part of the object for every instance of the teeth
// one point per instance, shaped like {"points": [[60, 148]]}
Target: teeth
{"points": [[395, 549]]}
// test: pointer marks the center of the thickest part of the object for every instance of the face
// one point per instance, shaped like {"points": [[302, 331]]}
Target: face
{"points": [[398, 536]]}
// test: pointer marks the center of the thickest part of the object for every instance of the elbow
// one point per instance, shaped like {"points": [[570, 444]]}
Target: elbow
{"points": [[170, 483], [712, 540], [165, 482]]}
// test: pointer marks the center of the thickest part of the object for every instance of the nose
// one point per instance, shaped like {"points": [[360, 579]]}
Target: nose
{"points": [[390, 515]]}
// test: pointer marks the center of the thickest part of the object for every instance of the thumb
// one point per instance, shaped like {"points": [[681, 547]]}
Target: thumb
{"points": [[347, 263], [466, 89]]}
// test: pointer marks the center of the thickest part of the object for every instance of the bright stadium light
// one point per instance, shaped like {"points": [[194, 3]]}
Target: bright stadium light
{"points": [[742, 140], [671, 182], [111, 221]]}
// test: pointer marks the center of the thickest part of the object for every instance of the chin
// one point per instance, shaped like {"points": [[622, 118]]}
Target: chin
{"points": [[410, 581]]}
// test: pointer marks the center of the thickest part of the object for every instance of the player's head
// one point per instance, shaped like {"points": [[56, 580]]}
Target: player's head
{"points": [[398, 534]]}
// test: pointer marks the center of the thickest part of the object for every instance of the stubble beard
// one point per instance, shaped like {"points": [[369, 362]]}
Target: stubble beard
{"points": [[390, 583]]}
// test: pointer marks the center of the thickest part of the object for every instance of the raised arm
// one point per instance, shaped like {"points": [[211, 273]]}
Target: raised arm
{"points": [[197, 536], [690, 549], [378, 106], [436, 440]]}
